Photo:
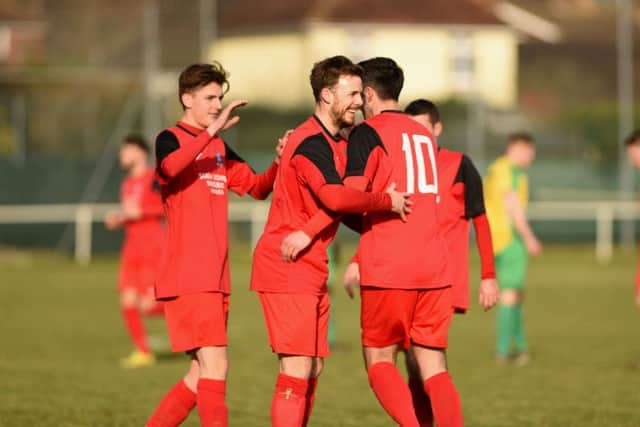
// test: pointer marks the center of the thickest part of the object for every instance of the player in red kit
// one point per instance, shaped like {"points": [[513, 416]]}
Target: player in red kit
{"points": [[406, 294], [293, 294], [196, 169], [140, 215], [461, 202]]}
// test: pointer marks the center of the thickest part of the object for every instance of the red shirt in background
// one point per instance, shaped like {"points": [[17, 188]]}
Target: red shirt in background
{"points": [[143, 236]]}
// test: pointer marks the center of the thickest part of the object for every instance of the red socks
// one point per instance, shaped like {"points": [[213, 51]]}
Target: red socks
{"points": [[311, 398], [174, 407], [211, 403], [133, 321], [393, 393], [421, 402], [445, 401], [289, 403]]}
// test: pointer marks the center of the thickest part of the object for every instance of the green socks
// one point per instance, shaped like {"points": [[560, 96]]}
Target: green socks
{"points": [[510, 327]]}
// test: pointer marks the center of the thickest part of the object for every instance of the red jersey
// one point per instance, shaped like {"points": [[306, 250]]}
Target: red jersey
{"points": [[461, 200], [196, 171], [313, 157], [393, 148], [142, 235]]}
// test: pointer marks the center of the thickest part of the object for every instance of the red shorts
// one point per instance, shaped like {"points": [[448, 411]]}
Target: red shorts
{"points": [[138, 273], [197, 320], [398, 316], [297, 323]]}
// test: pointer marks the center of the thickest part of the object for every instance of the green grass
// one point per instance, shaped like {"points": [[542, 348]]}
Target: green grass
{"points": [[62, 337]]}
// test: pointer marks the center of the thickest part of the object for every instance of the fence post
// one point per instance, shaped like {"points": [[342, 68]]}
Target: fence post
{"points": [[258, 219], [604, 233], [84, 222]]}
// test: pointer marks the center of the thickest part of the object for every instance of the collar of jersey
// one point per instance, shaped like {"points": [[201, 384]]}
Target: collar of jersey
{"points": [[335, 137], [191, 130], [393, 111]]}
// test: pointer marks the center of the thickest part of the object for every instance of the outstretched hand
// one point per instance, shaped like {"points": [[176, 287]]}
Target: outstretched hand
{"points": [[224, 120]]}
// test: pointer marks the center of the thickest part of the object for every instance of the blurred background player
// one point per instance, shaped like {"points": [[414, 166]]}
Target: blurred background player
{"points": [[506, 197], [196, 170], [633, 151], [140, 215], [461, 201]]}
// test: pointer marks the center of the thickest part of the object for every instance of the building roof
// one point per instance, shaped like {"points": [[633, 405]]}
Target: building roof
{"points": [[234, 16]]}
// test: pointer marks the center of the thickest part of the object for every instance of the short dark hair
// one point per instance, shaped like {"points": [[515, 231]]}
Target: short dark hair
{"points": [[384, 76], [327, 72], [419, 107], [196, 76], [520, 137], [138, 141], [633, 139]]}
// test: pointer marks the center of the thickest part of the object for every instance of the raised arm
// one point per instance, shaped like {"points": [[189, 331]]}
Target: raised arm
{"points": [[172, 159]]}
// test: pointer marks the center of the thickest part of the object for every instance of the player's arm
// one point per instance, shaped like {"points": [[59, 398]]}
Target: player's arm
{"points": [[314, 164], [475, 210], [315, 167], [361, 166], [243, 180], [362, 154], [172, 159], [518, 217]]}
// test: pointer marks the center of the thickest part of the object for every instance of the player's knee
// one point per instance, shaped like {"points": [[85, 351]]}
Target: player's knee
{"points": [[192, 377], [147, 305], [509, 297], [128, 299], [296, 366], [212, 362], [373, 355], [430, 361]]}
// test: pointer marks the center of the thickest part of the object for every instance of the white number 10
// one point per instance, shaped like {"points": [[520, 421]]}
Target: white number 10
{"points": [[409, 150]]}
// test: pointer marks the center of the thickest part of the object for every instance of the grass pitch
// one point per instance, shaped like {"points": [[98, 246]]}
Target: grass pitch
{"points": [[62, 337]]}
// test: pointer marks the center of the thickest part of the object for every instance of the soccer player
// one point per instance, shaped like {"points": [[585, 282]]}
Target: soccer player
{"points": [[461, 202], [406, 295], [633, 151], [293, 294], [140, 215], [196, 169], [506, 197]]}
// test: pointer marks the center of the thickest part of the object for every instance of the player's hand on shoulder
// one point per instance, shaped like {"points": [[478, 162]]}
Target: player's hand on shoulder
{"points": [[351, 278], [400, 202], [293, 244], [113, 220], [533, 245], [224, 120], [282, 142], [489, 293]]}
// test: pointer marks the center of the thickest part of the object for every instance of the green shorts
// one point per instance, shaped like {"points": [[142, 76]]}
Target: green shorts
{"points": [[511, 265]]}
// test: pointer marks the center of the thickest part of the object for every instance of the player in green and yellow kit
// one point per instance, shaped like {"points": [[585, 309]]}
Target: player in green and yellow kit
{"points": [[506, 196]]}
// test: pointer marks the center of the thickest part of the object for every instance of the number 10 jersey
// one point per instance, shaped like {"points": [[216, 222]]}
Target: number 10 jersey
{"points": [[387, 148]]}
